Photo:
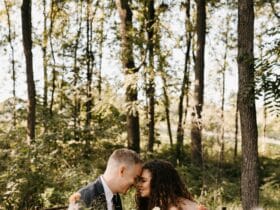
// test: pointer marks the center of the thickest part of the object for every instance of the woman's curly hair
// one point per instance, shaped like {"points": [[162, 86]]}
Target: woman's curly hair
{"points": [[166, 186]]}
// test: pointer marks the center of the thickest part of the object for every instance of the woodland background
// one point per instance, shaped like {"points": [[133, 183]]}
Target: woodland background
{"points": [[193, 82]]}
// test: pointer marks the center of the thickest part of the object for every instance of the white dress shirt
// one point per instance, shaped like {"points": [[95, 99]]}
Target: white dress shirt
{"points": [[108, 194]]}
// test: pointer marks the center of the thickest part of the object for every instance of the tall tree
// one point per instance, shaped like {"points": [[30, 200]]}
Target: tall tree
{"points": [[223, 72], [151, 73], [76, 71], [89, 64], [50, 34], [11, 35], [45, 64], [246, 105], [184, 86], [27, 45], [100, 50], [133, 130], [196, 127]]}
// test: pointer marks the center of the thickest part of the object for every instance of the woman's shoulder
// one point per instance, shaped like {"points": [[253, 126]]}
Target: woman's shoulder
{"points": [[186, 204]]}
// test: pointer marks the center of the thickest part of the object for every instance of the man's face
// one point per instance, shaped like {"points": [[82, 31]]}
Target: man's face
{"points": [[129, 176]]}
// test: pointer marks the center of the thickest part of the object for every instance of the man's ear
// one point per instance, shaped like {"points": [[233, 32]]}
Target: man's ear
{"points": [[122, 169]]}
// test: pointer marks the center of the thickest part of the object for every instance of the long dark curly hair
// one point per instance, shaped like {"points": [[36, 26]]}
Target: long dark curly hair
{"points": [[166, 186]]}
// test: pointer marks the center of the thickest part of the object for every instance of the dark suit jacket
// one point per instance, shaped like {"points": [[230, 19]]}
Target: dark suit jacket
{"points": [[93, 196]]}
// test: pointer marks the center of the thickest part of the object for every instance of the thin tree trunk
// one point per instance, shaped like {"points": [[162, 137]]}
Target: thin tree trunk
{"points": [[180, 128], [151, 85], [52, 18], [196, 146], [133, 130], [45, 67], [236, 131], [166, 104], [246, 105], [77, 103], [189, 33], [10, 40], [101, 42], [89, 61], [27, 44], [224, 68]]}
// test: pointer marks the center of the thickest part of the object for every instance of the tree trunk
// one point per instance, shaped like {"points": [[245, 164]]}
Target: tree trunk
{"points": [[236, 132], [133, 130], [52, 18], [246, 105], [184, 89], [45, 67], [101, 43], [196, 147], [224, 68], [89, 62], [10, 40], [166, 103], [76, 69], [151, 85], [27, 45]]}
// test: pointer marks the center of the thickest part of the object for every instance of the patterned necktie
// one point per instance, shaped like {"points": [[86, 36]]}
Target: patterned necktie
{"points": [[116, 203]]}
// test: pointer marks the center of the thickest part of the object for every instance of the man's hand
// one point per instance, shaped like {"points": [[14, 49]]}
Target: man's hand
{"points": [[74, 197]]}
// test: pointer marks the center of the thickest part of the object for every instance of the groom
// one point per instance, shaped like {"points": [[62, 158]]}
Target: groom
{"points": [[123, 168]]}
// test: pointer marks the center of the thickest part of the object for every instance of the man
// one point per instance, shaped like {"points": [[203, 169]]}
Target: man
{"points": [[123, 168]]}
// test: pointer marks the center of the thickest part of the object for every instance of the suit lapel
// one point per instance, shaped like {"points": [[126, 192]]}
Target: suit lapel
{"points": [[99, 203]]}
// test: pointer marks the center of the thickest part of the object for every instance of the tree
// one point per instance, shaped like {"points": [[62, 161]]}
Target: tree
{"points": [[185, 85], [151, 73], [133, 131], [27, 45], [89, 64], [45, 64], [199, 84], [246, 105], [11, 36]]}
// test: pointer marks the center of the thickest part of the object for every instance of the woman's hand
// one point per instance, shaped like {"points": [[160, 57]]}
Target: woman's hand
{"points": [[201, 207]]}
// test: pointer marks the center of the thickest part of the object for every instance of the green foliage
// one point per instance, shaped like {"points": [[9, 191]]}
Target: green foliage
{"points": [[268, 85]]}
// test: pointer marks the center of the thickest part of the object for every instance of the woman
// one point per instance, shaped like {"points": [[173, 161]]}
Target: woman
{"points": [[160, 187]]}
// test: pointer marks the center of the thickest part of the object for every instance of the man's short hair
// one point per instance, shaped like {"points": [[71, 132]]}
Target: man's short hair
{"points": [[125, 156]]}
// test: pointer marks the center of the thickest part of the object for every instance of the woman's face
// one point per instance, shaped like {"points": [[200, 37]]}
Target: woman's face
{"points": [[144, 188]]}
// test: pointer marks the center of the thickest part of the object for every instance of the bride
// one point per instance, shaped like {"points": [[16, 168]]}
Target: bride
{"points": [[161, 188]]}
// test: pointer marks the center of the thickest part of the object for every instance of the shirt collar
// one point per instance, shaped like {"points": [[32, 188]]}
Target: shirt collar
{"points": [[108, 193]]}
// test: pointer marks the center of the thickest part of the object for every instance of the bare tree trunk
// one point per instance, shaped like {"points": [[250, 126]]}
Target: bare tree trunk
{"points": [[133, 130], [27, 45], [246, 105], [184, 89], [189, 33], [45, 66], [77, 103], [224, 68], [89, 62], [166, 103], [196, 145], [151, 85], [236, 131], [10, 40], [52, 18], [101, 41]]}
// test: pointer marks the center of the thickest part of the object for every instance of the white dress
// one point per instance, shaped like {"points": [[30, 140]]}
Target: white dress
{"points": [[186, 204]]}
